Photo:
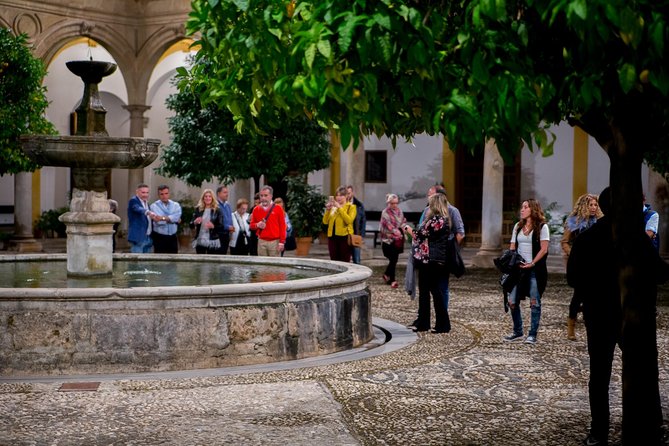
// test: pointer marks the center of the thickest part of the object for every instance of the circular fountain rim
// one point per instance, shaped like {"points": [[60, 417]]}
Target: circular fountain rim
{"points": [[347, 275]]}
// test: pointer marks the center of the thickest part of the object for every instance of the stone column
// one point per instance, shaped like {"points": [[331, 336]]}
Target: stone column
{"points": [[240, 189], [491, 215], [23, 225], [355, 176], [355, 170], [136, 176]]}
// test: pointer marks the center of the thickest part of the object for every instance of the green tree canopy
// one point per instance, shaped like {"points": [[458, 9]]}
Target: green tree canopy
{"points": [[471, 70], [23, 101], [206, 144]]}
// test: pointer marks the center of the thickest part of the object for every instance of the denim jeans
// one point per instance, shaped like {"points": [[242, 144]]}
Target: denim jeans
{"points": [[535, 308], [355, 254], [143, 247]]}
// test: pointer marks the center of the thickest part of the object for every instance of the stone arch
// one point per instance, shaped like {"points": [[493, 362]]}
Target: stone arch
{"points": [[136, 66], [52, 39], [149, 56]]}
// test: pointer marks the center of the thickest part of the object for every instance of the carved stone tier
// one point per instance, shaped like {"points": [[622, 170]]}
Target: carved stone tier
{"points": [[91, 157], [91, 151]]}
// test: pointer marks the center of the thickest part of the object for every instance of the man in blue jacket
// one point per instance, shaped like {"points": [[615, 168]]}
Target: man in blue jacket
{"points": [[139, 221], [227, 228]]}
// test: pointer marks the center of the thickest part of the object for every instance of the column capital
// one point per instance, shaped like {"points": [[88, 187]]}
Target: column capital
{"points": [[137, 119], [135, 109]]}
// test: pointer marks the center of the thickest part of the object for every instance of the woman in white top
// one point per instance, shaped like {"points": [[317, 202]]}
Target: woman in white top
{"points": [[530, 238], [239, 244]]}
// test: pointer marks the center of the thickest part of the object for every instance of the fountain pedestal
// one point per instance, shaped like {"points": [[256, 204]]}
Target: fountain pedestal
{"points": [[90, 227]]}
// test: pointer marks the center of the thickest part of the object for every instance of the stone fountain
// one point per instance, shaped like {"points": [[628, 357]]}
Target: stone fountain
{"points": [[102, 326], [91, 154]]}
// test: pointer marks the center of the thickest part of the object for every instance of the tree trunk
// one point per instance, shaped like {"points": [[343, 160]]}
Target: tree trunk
{"points": [[642, 411]]}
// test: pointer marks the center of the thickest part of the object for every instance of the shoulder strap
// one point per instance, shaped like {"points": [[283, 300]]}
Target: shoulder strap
{"points": [[271, 208]]}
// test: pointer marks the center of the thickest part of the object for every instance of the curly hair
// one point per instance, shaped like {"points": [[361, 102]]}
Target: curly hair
{"points": [[581, 211]]}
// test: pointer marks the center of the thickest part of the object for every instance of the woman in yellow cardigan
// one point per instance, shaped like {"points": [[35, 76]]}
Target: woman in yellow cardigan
{"points": [[339, 216]]}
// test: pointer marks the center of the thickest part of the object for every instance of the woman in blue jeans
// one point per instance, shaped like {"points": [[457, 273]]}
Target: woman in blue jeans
{"points": [[530, 238]]}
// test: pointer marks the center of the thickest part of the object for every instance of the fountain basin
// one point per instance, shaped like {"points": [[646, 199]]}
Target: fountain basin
{"points": [[49, 331], [91, 152]]}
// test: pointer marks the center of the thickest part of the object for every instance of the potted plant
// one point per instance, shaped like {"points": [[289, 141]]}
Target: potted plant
{"points": [[183, 227], [48, 224], [305, 206]]}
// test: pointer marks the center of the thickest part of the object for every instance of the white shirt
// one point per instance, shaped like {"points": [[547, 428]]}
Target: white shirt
{"points": [[239, 230], [524, 242]]}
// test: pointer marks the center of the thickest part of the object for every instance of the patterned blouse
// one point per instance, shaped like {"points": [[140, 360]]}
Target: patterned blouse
{"points": [[436, 229]]}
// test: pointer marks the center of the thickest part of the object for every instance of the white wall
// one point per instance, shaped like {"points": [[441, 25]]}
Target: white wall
{"points": [[412, 168]]}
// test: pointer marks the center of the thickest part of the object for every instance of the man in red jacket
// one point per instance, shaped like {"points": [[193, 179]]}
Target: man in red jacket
{"points": [[269, 223]]}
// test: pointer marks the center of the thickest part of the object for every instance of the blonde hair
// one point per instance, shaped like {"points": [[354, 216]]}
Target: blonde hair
{"points": [[581, 211], [241, 202], [214, 203], [438, 205]]}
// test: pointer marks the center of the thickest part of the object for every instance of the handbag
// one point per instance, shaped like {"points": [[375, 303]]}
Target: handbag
{"points": [[456, 265], [355, 240], [291, 243]]}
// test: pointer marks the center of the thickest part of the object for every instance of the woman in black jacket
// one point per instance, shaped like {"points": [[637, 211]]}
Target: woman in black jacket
{"points": [[429, 250], [207, 220]]}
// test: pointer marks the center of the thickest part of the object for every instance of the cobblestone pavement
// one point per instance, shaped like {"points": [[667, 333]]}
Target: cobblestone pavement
{"points": [[462, 388]]}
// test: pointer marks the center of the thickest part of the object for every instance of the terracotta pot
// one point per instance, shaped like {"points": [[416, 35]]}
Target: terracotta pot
{"points": [[303, 246]]}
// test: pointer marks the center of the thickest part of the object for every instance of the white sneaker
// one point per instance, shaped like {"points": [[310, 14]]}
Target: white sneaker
{"points": [[531, 340]]}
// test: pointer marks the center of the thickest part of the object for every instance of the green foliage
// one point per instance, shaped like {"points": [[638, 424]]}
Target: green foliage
{"points": [[23, 101], [206, 144], [554, 220], [187, 210], [305, 206], [49, 224], [468, 70]]}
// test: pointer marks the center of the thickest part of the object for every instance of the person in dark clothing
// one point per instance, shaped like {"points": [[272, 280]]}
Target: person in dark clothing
{"points": [[429, 251], [592, 272], [359, 227]]}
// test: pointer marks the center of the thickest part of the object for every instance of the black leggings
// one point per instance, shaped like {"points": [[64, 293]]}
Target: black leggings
{"points": [[392, 254]]}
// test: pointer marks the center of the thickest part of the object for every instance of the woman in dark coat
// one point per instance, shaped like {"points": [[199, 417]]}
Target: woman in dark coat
{"points": [[429, 251]]}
